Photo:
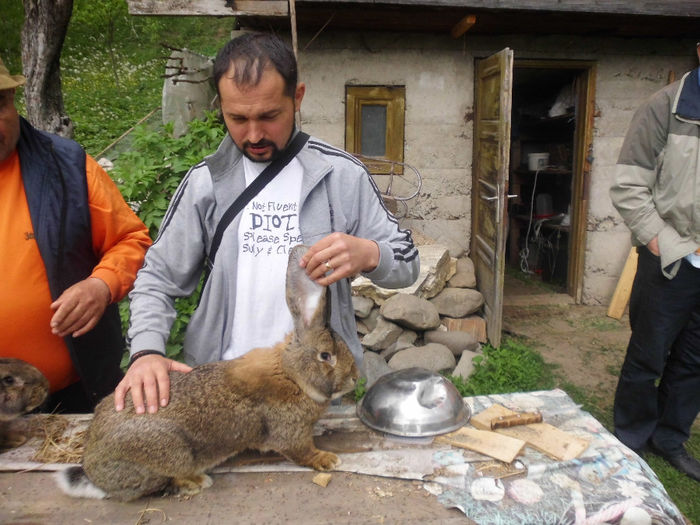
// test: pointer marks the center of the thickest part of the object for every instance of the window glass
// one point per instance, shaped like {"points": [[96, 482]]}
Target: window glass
{"points": [[373, 142]]}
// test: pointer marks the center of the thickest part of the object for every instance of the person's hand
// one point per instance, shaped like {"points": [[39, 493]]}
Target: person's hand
{"points": [[148, 380], [80, 307], [338, 256], [653, 246]]}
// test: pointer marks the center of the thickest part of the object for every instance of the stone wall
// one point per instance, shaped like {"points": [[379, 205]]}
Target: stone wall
{"points": [[438, 73]]}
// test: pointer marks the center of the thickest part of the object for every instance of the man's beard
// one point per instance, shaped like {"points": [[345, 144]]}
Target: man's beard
{"points": [[274, 152]]}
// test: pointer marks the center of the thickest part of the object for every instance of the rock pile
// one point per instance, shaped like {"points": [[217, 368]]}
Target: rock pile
{"points": [[434, 324]]}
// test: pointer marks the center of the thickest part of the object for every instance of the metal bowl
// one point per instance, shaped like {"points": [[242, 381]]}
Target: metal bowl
{"points": [[413, 402]]}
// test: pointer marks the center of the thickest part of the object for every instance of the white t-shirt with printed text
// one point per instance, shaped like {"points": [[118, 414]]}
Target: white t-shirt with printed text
{"points": [[269, 227]]}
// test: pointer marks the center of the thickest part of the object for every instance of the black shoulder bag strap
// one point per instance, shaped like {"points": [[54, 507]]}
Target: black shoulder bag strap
{"points": [[251, 191]]}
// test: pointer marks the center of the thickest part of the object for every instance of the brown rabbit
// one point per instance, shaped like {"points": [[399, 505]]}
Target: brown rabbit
{"points": [[268, 399], [22, 389]]}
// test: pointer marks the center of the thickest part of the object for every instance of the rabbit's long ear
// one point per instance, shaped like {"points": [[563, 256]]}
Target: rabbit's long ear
{"points": [[306, 299]]}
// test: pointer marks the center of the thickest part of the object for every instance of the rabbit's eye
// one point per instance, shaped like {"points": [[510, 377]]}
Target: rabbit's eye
{"points": [[326, 356], [8, 380]]}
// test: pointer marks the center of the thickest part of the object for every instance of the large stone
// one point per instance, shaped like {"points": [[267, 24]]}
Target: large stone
{"points": [[362, 306], [411, 312], [474, 324], [433, 356], [374, 366], [384, 334], [399, 345], [371, 320], [187, 93], [457, 341], [465, 276], [436, 267], [458, 302], [465, 367], [361, 327], [407, 336]]}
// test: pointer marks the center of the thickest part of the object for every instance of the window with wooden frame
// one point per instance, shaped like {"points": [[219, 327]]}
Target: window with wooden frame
{"points": [[374, 121]]}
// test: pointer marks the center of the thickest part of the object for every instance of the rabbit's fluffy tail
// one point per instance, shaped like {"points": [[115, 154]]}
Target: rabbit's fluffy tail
{"points": [[75, 483]]}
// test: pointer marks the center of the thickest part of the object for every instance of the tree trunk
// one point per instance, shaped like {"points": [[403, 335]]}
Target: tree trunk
{"points": [[45, 27]]}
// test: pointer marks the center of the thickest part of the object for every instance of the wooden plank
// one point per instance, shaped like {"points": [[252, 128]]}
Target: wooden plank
{"points": [[549, 439], [621, 295], [274, 8], [463, 26], [544, 437], [492, 444], [682, 8], [482, 420]]}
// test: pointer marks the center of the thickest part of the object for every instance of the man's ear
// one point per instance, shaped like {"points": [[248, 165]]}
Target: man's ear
{"points": [[299, 95]]}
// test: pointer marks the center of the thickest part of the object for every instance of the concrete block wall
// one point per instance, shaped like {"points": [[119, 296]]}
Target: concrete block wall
{"points": [[438, 73]]}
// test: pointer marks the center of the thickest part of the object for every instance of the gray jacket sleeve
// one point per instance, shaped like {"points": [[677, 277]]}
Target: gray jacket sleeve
{"points": [[173, 266], [636, 170], [399, 262]]}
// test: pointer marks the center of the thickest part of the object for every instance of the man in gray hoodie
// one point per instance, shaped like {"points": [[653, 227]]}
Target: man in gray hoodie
{"points": [[323, 198], [656, 192]]}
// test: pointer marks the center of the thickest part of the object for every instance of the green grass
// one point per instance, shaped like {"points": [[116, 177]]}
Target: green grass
{"points": [[511, 368]]}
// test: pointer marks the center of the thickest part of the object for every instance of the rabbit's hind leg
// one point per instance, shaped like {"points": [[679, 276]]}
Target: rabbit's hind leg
{"points": [[125, 480]]}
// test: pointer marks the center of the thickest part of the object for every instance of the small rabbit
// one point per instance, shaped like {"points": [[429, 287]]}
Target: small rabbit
{"points": [[22, 388], [266, 400]]}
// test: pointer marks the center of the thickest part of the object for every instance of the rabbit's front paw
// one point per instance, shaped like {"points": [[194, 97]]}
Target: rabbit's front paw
{"points": [[191, 486], [324, 460]]}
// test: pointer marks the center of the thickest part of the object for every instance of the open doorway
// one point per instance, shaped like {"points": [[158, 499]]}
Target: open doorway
{"points": [[549, 162]]}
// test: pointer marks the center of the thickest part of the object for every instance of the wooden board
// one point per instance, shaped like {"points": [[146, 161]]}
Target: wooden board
{"points": [[277, 8], [493, 444], [549, 439], [482, 420], [621, 296], [544, 437]]}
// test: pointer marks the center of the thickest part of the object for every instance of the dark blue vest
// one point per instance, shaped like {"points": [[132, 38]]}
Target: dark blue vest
{"points": [[53, 173]]}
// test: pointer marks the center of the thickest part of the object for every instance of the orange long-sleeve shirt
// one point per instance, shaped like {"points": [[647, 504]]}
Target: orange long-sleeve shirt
{"points": [[119, 239]]}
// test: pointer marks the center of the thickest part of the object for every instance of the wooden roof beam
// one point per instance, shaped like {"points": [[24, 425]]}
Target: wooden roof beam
{"points": [[276, 8], [463, 26]]}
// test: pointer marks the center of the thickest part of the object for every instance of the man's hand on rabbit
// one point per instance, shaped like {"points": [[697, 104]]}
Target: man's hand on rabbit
{"points": [[338, 256], [80, 307], [148, 380]]}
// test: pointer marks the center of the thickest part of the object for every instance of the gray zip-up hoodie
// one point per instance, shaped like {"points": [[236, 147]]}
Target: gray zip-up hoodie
{"points": [[337, 195], [656, 187]]}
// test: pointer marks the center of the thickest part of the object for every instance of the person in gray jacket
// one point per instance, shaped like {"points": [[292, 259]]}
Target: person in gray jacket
{"points": [[656, 192], [323, 197]]}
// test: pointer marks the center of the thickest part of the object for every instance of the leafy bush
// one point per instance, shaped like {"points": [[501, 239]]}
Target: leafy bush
{"points": [[360, 389], [514, 367], [148, 175]]}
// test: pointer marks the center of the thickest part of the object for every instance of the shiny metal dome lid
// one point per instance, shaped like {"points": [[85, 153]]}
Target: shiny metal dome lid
{"points": [[413, 402]]}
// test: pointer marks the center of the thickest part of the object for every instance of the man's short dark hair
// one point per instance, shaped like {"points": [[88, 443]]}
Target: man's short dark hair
{"points": [[251, 53]]}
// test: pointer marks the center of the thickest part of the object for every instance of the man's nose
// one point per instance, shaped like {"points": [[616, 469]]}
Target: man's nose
{"points": [[255, 132]]}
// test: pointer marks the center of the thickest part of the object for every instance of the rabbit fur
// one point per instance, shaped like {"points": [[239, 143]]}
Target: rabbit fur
{"points": [[22, 388], [266, 400]]}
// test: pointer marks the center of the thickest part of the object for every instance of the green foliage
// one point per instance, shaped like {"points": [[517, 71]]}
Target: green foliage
{"points": [[514, 367], [148, 175], [149, 172], [111, 62], [360, 389]]}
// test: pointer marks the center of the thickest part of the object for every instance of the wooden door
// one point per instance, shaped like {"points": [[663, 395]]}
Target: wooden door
{"points": [[493, 94]]}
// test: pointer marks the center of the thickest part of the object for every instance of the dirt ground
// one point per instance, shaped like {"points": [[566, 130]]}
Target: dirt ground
{"points": [[586, 345]]}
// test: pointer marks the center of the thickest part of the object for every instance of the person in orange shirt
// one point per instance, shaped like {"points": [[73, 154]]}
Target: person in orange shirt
{"points": [[71, 249]]}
